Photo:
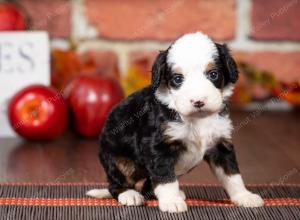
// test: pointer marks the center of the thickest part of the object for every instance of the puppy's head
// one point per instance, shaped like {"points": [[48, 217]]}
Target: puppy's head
{"points": [[194, 75]]}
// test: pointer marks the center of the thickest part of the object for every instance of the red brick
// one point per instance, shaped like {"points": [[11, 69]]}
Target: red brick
{"points": [[53, 16], [161, 19], [285, 66], [276, 20]]}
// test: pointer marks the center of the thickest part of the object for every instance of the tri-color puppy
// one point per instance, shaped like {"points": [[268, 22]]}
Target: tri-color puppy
{"points": [[164, 130]]}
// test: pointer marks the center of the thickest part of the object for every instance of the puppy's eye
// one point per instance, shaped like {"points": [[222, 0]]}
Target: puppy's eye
{"points": [[177, 80], [213, 75]]}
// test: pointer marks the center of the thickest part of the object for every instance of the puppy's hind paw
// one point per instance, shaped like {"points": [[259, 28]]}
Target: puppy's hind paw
{"points": [[248, 199], [131, 198], [99, 193]]}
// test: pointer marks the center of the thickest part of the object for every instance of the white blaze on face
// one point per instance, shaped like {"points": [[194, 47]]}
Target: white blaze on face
{"points": [[190, 55]]}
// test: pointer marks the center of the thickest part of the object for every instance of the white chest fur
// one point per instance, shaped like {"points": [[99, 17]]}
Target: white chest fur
{"points": [[198, 135]]}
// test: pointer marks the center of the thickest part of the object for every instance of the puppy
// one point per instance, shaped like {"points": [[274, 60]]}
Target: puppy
{"points": [[164, 130]]}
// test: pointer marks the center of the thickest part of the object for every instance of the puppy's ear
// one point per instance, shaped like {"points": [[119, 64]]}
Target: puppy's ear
{"points": [[228, 62], [159, 69]]}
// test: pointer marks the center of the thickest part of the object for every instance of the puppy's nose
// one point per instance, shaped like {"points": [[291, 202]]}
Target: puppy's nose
{"points": [[198, 104]]}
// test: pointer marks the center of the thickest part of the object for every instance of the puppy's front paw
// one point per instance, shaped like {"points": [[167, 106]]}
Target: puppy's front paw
{"points": [[131, 198], [172, 204], [248, 199]]}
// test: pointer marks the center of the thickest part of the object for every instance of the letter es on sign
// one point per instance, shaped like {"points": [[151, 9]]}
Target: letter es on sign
{"points": [[17, 57]]}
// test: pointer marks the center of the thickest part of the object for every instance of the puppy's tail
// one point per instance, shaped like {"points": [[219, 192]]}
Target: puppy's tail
{"points": [[99, 193]]}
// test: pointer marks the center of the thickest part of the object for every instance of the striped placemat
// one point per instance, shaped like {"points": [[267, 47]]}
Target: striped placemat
{"points": [[68, 201]]}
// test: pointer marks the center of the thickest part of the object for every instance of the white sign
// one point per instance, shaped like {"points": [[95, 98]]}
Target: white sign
{"points": [[24, 60]]}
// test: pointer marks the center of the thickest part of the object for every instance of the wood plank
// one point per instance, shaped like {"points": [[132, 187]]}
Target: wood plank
{"points": [[268, 149]]}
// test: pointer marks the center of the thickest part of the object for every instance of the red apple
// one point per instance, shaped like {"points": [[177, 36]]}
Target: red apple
{"points": [[90, 99], [38, 112], [11, 19]]}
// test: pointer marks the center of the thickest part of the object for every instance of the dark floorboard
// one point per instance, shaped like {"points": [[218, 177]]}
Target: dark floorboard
{"points": [[267, 145]]}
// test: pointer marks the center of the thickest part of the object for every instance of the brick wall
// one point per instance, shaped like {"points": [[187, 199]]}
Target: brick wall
{"points": [[264, 33]]}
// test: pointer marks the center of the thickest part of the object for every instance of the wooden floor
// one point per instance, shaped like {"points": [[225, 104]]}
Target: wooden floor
{"points": [[267, 145]]}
